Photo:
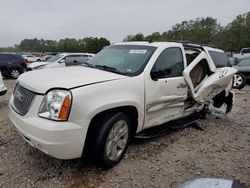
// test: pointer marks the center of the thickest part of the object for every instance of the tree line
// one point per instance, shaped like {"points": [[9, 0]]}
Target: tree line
{"points": [[89, 44], [230, 38]]}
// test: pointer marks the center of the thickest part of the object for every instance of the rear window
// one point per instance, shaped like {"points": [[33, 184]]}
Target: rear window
{"points": [[220, 59]]}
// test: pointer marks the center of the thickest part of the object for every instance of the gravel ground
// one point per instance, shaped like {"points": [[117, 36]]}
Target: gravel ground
{"points": [[223, 150]]}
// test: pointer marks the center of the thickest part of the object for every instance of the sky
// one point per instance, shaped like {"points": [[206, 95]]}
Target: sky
{"points": [[112, 19]]}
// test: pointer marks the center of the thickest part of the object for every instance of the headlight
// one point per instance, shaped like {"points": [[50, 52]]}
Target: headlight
{"points": [[56, 105]]}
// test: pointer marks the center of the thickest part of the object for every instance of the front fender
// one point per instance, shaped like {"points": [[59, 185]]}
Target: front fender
{"points": [[89, 101]]}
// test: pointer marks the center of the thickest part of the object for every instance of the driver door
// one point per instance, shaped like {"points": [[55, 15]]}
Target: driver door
{"points": [[166, 89]]}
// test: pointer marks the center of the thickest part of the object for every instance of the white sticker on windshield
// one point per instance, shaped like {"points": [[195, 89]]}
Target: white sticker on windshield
{"points": [[137, 51]]}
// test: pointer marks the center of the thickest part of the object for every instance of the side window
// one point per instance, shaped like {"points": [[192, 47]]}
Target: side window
{"points": [[11, 57], [4, 57], [245, 51], [169, 63], [74, 60]]}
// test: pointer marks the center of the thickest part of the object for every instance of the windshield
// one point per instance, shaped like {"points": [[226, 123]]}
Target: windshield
{"points": [[245, 62], [124, 59], [54, 58]]}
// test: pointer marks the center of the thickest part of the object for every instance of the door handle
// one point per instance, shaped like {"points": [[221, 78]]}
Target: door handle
{"points": [[182, 85]]}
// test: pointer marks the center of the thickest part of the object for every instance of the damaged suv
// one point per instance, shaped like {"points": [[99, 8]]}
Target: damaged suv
{"points": [[126, 88]]}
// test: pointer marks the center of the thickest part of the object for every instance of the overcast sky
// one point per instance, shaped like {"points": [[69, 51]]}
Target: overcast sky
{"points": [[112, 19]]}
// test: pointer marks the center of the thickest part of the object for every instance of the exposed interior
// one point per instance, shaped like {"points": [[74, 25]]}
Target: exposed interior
{"points": [[200, 71]]}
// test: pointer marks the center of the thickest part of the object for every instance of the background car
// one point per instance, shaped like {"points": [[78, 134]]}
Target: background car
{"points": [[46, 57], [31, 58], [3, 89], [243, 74], [58, 60], [244, 53], [12, 65]]}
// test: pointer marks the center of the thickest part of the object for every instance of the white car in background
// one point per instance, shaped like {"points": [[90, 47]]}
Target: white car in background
{"points": [[31, 58], [58, 60], [3, 89]]}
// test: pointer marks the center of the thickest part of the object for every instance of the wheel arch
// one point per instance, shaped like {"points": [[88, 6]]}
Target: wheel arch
{"points": [[129, 110]]}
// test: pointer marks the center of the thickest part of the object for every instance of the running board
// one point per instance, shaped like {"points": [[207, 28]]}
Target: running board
{"points": [[169, 127]]}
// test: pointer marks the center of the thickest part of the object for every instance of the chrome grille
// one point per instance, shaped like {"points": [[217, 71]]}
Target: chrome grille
{"points": [[22, 99]]}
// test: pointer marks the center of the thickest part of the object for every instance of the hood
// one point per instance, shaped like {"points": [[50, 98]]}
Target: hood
{"points": [[41, 81], [37, 64]]}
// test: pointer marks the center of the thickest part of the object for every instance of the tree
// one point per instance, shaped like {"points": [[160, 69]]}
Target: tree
{"points": [[90, 44], [137, 37]]}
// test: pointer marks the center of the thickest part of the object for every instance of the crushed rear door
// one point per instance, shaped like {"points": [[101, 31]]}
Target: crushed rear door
{"points": [[204, 80]]}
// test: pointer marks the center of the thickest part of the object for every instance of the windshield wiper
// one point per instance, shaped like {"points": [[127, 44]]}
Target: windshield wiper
{"points": [[107, 68]]}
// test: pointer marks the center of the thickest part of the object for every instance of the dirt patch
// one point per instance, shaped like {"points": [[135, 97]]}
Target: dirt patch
{"points": [[222, 150]]}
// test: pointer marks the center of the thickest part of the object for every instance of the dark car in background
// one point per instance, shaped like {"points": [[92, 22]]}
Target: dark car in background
{"points": [[12, 65], [243, 74]]}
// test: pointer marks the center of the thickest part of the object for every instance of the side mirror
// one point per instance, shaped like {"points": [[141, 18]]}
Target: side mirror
{"points": [[155, 75]]}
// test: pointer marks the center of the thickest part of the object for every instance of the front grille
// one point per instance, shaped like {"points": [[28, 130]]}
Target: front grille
{"points": [[22, 99]]}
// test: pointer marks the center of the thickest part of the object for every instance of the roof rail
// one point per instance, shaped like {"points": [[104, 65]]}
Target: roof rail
{"points": [[188, 43]]}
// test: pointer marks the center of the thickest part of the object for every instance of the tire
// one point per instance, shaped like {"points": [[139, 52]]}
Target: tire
{"points": [[239, 81], [15, 73], [39, 60], [108, 139]]}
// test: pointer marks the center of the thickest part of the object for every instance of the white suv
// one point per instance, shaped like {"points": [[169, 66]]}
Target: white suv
{"points": [[123, 90]]}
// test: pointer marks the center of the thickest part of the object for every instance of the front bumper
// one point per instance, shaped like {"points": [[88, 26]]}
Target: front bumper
{"points": [[62, 140]]}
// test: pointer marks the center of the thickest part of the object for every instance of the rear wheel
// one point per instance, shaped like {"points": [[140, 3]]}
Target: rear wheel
{"points": [[239, 81], [15, 73], [109, 139]]}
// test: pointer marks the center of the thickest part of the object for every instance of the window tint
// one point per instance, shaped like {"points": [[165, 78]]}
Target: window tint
{"points": [[11, 57], [1, 57], [220, 59], [4, 57], [245, 51], [74, 56], [171, 62]]}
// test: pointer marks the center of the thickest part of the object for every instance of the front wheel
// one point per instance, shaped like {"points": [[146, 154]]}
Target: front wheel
{"points": [[239, 81], [109, 139], [15, 73]]}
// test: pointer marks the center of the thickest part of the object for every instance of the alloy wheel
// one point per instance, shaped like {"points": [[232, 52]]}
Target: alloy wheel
{"points": [[117, 140], [237, 80]]}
